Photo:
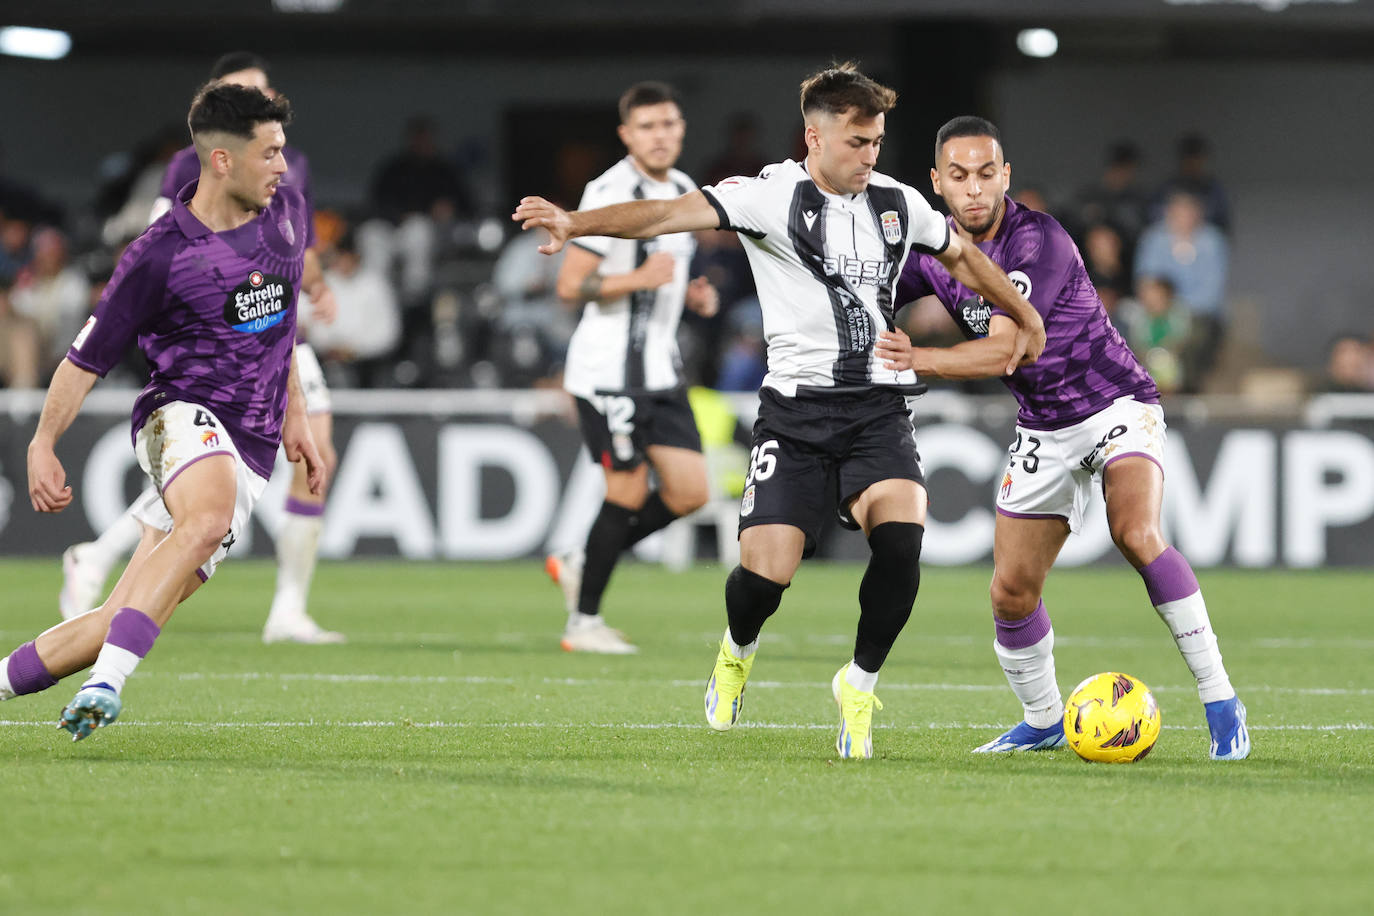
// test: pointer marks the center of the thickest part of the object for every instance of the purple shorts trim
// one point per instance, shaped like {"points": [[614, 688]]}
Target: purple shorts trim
{"points": [[300, 507], [1115, 458], [1009, 514], [177, 474], [203, 577]]}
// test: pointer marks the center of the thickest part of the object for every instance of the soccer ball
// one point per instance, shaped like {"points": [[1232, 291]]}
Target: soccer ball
{"points": [[1111, 718]]}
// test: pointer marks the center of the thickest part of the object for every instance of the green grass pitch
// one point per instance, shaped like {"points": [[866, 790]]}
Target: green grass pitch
{"points": [[450, 759]]}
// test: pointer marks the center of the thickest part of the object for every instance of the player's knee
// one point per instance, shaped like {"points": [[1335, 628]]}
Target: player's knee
{"points": [[1139, 542], [896, 550], [203, 531], [685, 499], [1012, 597]]}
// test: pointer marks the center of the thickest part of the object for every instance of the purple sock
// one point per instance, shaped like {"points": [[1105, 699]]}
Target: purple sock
{"points": [[133, 631], [1018, 634], [1168, 578], [26, 671], [300, 507]]}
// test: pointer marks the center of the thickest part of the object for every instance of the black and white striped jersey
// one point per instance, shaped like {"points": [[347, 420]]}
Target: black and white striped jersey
{"points": [[825, 266], [630, 344]]}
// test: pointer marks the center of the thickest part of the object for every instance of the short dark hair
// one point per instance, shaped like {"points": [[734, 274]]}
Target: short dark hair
{"points": [[840, 88], [966, 126], [235, 61], [650, 92], [234, 110]]}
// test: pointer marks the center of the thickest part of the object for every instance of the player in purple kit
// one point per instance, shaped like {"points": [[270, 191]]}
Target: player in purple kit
{"points": [[1088, 411], [86, 566], [209, 293]]}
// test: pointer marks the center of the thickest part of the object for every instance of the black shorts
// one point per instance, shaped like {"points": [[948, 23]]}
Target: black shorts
{"points": [[619, 428], [812, 454]]}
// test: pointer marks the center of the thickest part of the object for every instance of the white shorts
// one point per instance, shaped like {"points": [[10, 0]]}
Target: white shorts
{"points": [[176, 436], [1049, 472], [311, 377]]}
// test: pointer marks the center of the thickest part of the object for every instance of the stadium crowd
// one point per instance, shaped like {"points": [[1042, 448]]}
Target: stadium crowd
{"points": [[435, 292]]}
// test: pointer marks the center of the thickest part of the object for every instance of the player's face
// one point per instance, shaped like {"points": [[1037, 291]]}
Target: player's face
{"points": [[653, 136], [258, 166], [972, 177], [844, 150]]}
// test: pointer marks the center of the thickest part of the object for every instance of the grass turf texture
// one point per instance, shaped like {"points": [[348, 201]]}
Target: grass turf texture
{"points": [[451, 759]]}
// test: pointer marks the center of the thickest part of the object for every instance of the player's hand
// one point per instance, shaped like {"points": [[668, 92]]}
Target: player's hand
{"points": [[894, 349], [299, 444], [1027, 347], [657, 269], [324, 308], [702, 298], [538, 213], [48, 490]]}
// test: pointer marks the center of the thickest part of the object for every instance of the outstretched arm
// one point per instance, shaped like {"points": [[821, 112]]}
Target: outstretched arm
{"points": [[985, 357], [967, 264], [636, 219], [48, 490]]}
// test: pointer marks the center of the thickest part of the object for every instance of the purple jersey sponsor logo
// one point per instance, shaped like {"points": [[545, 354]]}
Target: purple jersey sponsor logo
{"points": [[258, 303]]}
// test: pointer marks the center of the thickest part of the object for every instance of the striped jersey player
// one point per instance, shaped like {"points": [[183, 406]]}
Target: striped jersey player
{"points": [[827, 239]]}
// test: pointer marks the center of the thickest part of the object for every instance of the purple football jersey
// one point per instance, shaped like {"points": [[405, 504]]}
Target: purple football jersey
{"points": [[215, 315], [1086, 365], [184, 168]]}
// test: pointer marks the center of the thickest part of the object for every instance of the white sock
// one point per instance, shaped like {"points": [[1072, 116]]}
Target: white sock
{"points": [[112, 666], [298, 544], [740, 652], [1187, 620], [1030, 672], [115, 542], [6, 691], [860, 679]]}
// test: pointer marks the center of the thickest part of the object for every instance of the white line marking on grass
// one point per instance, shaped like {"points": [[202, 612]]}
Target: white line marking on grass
{"points": [[342, 678], [634, 726]]}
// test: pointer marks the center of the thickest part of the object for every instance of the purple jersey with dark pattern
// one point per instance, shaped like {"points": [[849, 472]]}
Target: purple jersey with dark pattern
{"points": [[184, 168], [215, 315], [1086, 365]]}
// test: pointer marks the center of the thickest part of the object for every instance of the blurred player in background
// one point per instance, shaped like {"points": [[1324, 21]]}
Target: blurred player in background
{"points": [[209, 294], [86, 566], [826, 240], [623, 365], [1089, 412]]}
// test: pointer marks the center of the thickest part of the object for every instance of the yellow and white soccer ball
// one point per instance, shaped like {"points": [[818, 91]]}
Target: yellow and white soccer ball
{"points": [[1111, 718]]}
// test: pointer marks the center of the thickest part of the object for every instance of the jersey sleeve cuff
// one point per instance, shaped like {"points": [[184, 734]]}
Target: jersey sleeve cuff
{"points": [[725, 217], [80, 363], [926, 249]]}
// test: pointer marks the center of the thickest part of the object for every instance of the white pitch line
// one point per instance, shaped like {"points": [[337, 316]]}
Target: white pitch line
{"points": [[709, 640], [339, 678], [634, 726]]}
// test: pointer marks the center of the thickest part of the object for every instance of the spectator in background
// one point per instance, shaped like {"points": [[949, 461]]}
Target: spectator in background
{"points": [[1193, 255], [15, 234], [367, 328], [1032, 197], [1104, 254], [1116, 199], [18, 344], [1350, 364], [745, 360], [741, 155], [1158, 329], [535, 323], [417, 194], [1194, 176], [54, 294]]}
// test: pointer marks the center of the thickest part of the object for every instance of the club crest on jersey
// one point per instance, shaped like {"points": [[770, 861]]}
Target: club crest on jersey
{"points": [[288, 231], [258, 303], [892, 226]]}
